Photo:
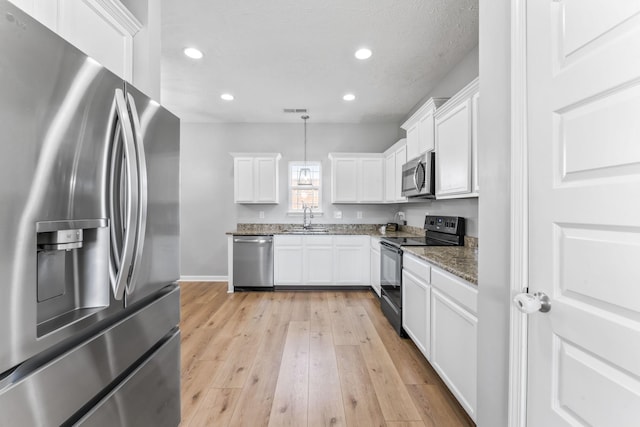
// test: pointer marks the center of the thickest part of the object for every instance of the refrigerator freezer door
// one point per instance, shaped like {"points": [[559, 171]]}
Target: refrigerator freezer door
{"points": [[158, 131], [50, 392], [147, 397], [56, 118]]}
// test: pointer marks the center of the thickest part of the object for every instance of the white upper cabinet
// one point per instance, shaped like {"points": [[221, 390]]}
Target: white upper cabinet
{"points": [[103, 29], [394, 158], [456, 144], [255, 177], [357, 178], [420, 128]]}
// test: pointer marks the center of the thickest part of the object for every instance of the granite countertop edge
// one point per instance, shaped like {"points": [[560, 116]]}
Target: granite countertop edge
{"points": [[461, 261]]}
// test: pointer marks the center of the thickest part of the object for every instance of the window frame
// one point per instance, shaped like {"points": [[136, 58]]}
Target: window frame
{"points": [[291, 187]]}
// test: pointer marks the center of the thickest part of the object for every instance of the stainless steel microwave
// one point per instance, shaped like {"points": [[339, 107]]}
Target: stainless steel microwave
{"points": [[419, 177]]}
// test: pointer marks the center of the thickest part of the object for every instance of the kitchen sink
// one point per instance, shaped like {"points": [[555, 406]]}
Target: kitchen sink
{"points": [[308, 230]]}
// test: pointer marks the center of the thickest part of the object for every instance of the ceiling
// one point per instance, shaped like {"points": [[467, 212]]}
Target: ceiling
{"points": [[280, 54]]}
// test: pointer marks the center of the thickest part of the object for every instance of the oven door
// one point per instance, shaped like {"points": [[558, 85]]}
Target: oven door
{"points": [[391, 273]]}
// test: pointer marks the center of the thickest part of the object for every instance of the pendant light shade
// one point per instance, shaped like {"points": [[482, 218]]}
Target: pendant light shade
{"points": [[304, 177]]}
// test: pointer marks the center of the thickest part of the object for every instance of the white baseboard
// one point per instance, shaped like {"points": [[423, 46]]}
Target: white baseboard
{"points": [[204, 278]]}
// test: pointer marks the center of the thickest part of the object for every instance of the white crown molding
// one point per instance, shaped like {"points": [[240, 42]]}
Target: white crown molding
{"points": [[464, 93], [114, 12], [431, 105]]}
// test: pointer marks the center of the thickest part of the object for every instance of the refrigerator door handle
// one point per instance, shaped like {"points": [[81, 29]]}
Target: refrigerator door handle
{"points": [[123, 258], [142, 193]]}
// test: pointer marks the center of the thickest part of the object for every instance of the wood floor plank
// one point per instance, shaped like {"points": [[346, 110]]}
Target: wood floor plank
{"points": [[320, 319], [241, 351], [341, 326], [405, 424], [292, 390], [395, 402], [216, 408], [325, 395], [435, 409], [256, 398], [195, 386], [360, 403]]}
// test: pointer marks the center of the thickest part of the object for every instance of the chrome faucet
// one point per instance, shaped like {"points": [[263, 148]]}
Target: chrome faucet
{"points": [[306, 222]]}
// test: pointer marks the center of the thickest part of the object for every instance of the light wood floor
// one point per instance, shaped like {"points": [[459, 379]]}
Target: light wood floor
{"points": [[303, 359]]}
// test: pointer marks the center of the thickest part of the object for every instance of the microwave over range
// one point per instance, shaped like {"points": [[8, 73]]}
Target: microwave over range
{"points": [[419, 177]]}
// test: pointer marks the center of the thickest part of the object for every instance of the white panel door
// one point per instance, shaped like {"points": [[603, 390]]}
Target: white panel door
{"points": [[371, 180], [453, 151], [583, 81], [345, 180], [244, 179]]}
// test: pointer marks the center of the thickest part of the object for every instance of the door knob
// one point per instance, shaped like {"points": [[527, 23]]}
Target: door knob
{"points": [[530, 303]]}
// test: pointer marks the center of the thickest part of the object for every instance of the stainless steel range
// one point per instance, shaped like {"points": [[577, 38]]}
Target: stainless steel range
{"points": [[439, 231]]}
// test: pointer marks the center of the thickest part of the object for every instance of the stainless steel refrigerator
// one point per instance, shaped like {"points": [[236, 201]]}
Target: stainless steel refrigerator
{"points": [[89, 301]]}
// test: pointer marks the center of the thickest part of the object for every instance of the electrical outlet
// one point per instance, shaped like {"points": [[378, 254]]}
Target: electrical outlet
{"points": [[261, 214], [337, 214], [359, 214]]}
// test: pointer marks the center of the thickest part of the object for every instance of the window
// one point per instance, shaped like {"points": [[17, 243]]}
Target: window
{"points": [[301, 195]]}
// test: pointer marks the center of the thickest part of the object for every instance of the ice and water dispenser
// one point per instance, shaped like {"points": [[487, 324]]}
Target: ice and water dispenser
{"points": [[73, 271]]}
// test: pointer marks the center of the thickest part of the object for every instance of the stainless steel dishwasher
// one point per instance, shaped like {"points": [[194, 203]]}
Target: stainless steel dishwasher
{"points": [[253, 261]]}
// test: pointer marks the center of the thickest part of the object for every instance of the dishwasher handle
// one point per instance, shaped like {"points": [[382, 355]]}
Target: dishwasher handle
{"points": [[253, 240]]}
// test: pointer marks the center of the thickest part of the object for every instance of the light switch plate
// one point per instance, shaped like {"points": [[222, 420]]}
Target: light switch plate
{"points": [[337, 214], [359, 214]]}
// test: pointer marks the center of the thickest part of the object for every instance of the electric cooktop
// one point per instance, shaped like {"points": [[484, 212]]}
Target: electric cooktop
{"points": [[439, 231]]}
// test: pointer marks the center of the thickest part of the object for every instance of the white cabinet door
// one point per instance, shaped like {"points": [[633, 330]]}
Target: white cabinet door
{"points": [[457, 145], [351, 260], [426, 135], [266, 180], [344, 184], [318, 260], [371, 180], [413, 142], [255, 177], [401, 159], [243, 179], [390, 178], [453, 153], [453, 348], [416, 298], [288, 260]]}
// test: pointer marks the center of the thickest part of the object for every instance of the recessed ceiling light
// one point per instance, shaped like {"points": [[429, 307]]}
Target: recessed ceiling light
{"points": [[227, 97], [193, 53], [363, 53], [349, 97]]}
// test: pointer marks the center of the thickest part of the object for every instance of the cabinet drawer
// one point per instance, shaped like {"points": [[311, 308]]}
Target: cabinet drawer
{"points": [[459, 290], [417, 267], [352, 240]]}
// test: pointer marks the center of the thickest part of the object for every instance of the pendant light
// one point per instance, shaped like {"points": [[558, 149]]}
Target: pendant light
{"points": [[304, 177]]}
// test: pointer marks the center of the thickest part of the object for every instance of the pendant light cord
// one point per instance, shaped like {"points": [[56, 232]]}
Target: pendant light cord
{"points": [[305, 117]]}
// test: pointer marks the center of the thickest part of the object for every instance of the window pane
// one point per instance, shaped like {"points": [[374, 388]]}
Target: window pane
{"points": [[308, 197]]}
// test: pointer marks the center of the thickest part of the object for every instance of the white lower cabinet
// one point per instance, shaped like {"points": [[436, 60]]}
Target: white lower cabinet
{"points": [[321, 260], [439, 314], [287, 259], [375, 265], [416, 298]]}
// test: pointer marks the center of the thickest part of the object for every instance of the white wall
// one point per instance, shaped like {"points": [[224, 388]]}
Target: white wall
{"points": [[206, 206], [463, 73], [494, 209]]}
